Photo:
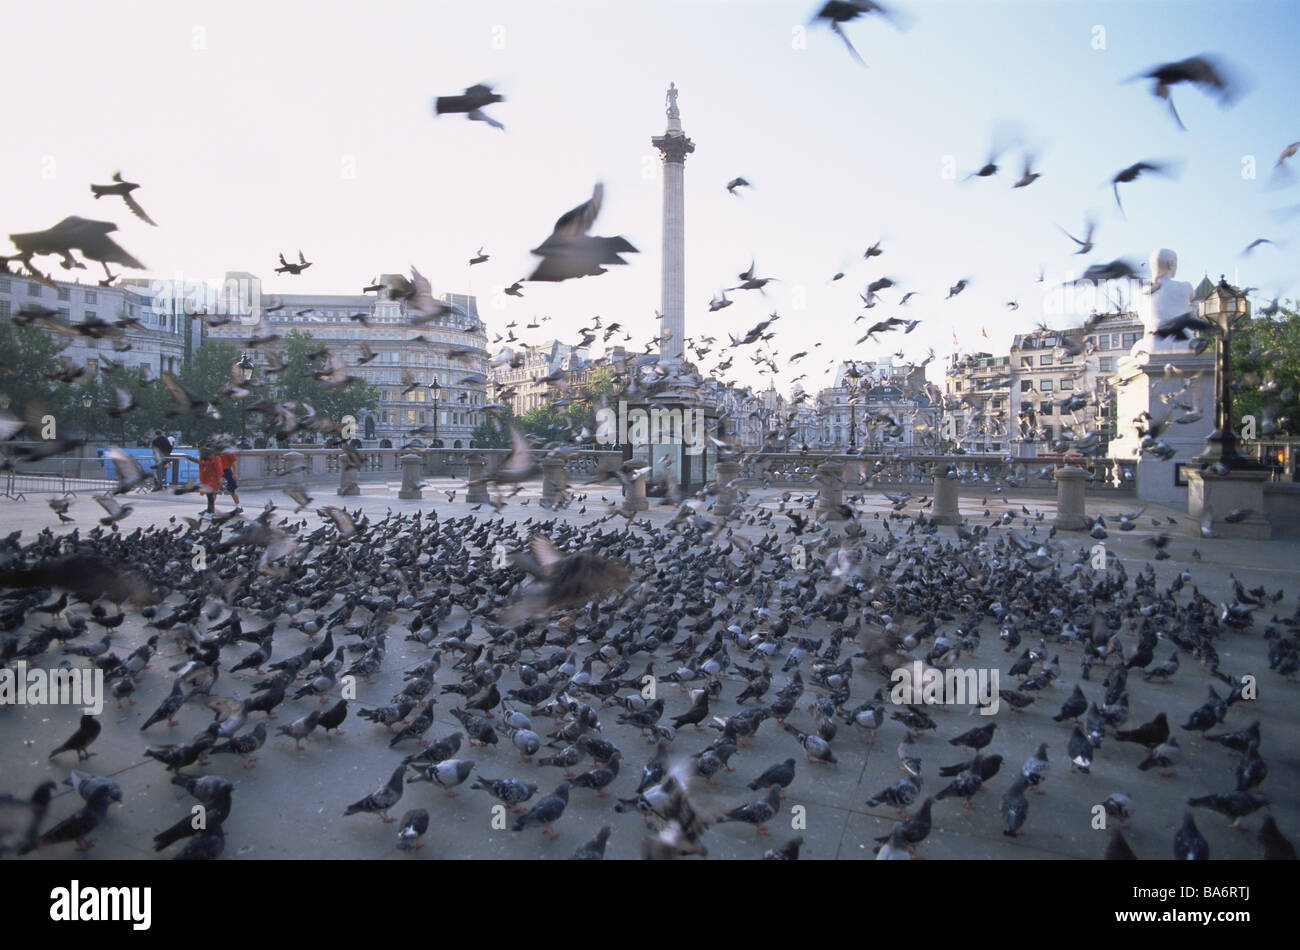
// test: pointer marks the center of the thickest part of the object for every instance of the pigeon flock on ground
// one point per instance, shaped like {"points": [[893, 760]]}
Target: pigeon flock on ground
{"points": [[634, 664]]}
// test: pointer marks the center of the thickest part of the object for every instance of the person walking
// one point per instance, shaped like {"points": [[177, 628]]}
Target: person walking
{"points": [[162, 450], [228, 460], [212, 465]]}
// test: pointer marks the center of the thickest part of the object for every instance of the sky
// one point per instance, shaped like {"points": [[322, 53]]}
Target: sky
{"points": [[261, 128]]}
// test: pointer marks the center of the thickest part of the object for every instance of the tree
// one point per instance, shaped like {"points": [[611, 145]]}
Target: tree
{"points": [[1266, 372], [494, 431], [296, 383], [205, 374], [28, 356]]}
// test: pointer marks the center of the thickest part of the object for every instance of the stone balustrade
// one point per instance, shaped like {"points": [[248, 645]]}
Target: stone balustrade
{"points": [[266, 468], [1103, 476]]}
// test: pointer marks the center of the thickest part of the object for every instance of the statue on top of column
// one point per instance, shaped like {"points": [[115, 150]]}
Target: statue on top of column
{"points": [[671, 99]]}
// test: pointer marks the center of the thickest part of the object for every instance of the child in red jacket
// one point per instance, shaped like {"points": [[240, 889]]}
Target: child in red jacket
{"points": [[211, 466]]}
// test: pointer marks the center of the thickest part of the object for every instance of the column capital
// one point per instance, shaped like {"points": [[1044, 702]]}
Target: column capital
{"points": [[674, 146]]}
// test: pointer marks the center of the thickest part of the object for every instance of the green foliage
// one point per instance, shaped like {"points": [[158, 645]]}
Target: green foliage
{"points": [[1266, 370], [296, 383], [29, 354], [494, 431]]}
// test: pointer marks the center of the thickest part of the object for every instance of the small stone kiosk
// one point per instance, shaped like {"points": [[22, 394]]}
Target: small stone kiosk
{"points": [[1158, 368]]}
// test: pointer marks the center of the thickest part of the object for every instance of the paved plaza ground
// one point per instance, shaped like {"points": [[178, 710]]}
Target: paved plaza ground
{"points": [[291, 805]]}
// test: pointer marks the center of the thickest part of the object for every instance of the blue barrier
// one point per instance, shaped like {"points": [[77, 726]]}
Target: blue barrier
{"points": [[178, 469]]}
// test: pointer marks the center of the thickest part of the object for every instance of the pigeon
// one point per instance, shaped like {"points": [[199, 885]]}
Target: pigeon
{"points": [[737, 183], [301, 728], [411, 828], [1275, 847], [87, 732], [1074, 707], [895, 849], [511, 791], [1200, 71], [448, 773], [122, 189], [756, 813], [75, 234], [1149, 734], [1188, 843], [547, 811], [570, 252], [1080, 751], [78, 826], [471, 104], [1132, 173], [1238, 741], [1118, 805], [1035, 768], [1015, 807], [976, 738], [381, 799], [1234, 805], [244, 745], [1117, 849], [20, 820], [205, 845], [776, 776], [593, 850], [901, 794]]}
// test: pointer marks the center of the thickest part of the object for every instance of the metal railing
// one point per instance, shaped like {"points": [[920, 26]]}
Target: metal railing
{"points": [[56, 476]]}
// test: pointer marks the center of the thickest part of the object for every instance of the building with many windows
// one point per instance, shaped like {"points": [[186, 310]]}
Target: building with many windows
{"points": [[977, 394], [158, 340], [431, 375], [529, 378], [1050, 367], [876, 406]]}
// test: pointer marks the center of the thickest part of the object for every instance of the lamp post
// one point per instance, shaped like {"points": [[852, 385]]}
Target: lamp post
{"points": [[86, 401], [1222, 309], [436, 389], [245, 367]]}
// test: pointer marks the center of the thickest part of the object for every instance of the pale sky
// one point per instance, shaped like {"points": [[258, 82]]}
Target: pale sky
{"points": [[256, 128]]}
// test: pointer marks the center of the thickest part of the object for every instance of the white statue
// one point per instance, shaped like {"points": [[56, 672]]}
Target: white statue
{"points": [[1166, 300]]}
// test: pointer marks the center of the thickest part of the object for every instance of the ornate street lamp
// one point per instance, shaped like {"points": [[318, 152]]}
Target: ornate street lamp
{"points": [[1223, 309], [245, 368], [436, 389], [86, 402]]}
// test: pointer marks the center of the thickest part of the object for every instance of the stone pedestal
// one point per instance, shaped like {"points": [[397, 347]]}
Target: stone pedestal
{"points": [[476, 493], [410, 477], [1071, 513], [554, 481], [1140, 382], [348, 481], [830, 479], [945, 499], [295, 471], [1214, 497], [726, 473]]}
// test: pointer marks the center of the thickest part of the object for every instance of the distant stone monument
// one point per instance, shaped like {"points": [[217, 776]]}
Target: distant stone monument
{"points": [[1147, 381]]}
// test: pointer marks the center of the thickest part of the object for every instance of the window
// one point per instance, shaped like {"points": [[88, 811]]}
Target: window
{"points": [[1107, 364], [1048, 433], [1130, 339], [1026, 385], [1067, 384], [91, 297], [64, 294], [92, 366], [4, 284], [1045, 386], [1044, 360], [33, 289], [1067, 359], [1045, 408], [90, 315], [4, 309]]}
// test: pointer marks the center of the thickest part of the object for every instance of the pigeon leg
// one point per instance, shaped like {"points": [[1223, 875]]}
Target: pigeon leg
{"points": [[550, 833]]}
